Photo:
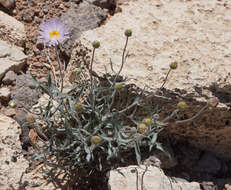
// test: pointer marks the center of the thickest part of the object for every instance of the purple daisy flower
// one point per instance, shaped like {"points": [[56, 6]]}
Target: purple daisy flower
{"points": [[53, 32]]}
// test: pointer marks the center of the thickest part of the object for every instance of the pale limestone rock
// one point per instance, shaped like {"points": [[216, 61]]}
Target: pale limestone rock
{"points": [[10, 172], [11, 30], [13, 174], [4, 94], [9, 78], [128, 178], [11, 58], [183, 31]]}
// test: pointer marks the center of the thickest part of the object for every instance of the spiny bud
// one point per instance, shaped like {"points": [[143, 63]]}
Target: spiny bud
{"points": [[12, 104], [156, 116], [142, 128], [173, 65], [30, 118], [119, 85], [79, 106], [95, 139], [181, 105], [96, 44], [128, 32], [147, 121], [213, 102]]}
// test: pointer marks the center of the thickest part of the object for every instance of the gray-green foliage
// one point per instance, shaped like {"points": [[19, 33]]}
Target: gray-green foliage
{"points": [[87, 128]]}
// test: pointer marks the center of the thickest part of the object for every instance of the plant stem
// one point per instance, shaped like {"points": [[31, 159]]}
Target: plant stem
{"points": [[165, 79], [52, 66], [91, 65], [121, 67], [91, 78], [172, 115], [60, 68], [194, 117]]}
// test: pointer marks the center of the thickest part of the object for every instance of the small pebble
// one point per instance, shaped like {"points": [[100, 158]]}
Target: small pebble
{"points": [[61, 6], [27, 17], [40, 46], [5, 94], [37, 20], [13, 159], [9, 78], [46, 9]]}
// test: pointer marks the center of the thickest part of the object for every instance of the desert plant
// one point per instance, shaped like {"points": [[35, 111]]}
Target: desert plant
{"points": [[84, 126]]}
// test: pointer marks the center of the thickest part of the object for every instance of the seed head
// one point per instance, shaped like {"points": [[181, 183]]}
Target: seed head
{"points": [[79, 106], [30, 118], [12, 104], [213, 102], [96, 44], [142, 128], [119, 85], [181, 105], [147, 121], [173, 65], [95, 139], [128, 33]]}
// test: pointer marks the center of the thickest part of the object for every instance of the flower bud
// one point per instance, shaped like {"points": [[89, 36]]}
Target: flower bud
{"points": [[173, 65], [147, 121], [30, 118], [128, 32], [119, 85], [156, 116], [79, 106], [181, 105], [142, 128], [96, 44], [12, 104], [95, 139], [213, 102]]}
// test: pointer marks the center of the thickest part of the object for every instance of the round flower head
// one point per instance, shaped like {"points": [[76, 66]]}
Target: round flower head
{"points": [[53, 32]]}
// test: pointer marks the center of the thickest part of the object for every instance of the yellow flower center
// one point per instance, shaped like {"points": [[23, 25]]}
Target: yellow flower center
{"points": [[54, 34]]}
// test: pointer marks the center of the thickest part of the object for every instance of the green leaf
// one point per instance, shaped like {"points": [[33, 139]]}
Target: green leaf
{"points": [[49, 80], [44, 89], [153, 141], [138, 154], [160, 147], [37, 156]]}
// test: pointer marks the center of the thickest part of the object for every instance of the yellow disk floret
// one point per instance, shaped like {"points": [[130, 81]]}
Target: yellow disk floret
{"points": [[147, 121], [95, 139], [119, 85], [142, 128], [181, 105], [54, 34], [79, 106], [173, 65], [12, 104]]}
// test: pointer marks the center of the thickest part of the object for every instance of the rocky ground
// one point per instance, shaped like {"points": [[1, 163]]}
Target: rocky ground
{"points": [[96, 19]]}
